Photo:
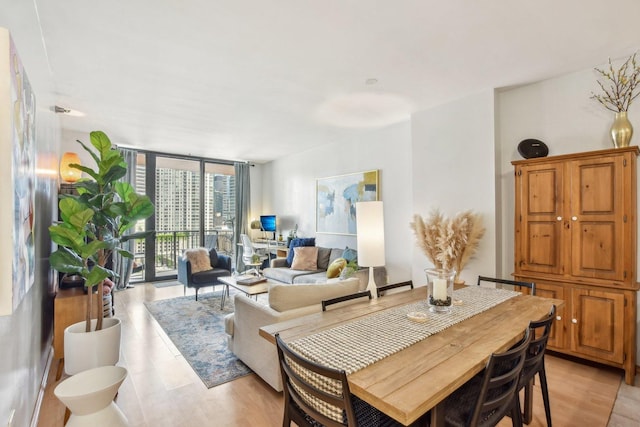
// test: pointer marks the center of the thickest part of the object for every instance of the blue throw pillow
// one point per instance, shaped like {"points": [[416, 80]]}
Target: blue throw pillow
{"points": [[350, 254], [302, 241]]}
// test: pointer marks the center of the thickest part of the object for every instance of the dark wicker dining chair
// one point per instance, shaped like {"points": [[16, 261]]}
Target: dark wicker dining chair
{"points": [[361, 294], [385, 288], [488, 397], [530, 285], [534, 364], [316, 395]]}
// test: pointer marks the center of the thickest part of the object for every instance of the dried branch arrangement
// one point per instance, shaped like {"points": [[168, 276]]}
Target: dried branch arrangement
{"points": [[620, 86], [449, 243]]}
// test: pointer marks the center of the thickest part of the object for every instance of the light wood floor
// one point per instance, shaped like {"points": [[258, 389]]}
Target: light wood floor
{"points": [[162, 389]]}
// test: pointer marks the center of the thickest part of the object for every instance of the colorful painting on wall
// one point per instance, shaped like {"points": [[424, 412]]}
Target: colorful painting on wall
{"points": [[17, 137], [336, 199]]}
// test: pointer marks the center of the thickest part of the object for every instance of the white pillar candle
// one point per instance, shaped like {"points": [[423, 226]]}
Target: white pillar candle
{"points": [[440, 289]]}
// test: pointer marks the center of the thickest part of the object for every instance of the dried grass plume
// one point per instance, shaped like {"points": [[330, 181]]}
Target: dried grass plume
{"points": [[449, 243]]}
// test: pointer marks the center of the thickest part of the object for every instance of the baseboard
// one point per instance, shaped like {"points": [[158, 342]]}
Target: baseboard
{"points": [[43, 385]]}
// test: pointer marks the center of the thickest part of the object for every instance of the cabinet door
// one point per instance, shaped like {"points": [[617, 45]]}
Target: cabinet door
{"points": [[539, 245], [597, 323], [548, 290], [597, 217]]}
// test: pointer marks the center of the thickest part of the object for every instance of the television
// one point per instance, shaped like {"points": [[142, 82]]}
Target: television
{"points": [[268, 222]]}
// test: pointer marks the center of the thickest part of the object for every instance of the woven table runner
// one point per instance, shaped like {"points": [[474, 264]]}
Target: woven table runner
{"points": [[355, 345]]}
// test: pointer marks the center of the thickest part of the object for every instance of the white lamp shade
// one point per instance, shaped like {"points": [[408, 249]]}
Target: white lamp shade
{"points": [[370, 225]]}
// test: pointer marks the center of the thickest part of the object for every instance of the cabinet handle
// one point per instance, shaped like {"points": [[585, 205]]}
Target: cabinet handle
{"points": [[574, 218], [559, 218], [574, 320], [558, 317]]}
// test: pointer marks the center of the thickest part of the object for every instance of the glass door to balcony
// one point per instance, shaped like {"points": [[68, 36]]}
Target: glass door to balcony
{"points": [[195, 206]]}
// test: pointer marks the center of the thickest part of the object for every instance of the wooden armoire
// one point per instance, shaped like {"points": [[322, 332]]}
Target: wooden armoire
{"points": [[575, 237]]}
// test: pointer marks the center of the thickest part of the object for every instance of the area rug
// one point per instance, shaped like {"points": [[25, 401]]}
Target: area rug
{"points": [[196, 328]]}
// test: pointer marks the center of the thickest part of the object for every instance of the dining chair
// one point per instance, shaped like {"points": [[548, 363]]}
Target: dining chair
{"points": [[361, 294], [530, 285], [488, 397], [382, 289], [316, 395], [534, 364]]}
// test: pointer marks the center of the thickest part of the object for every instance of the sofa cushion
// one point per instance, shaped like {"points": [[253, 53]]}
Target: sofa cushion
{"points": [[208, 277], [319, 276], [301, 241], [335, 254], [323, 257], [288, 297], [199, 259], [305, 258], [287, 275], [350, 254], [336, 267]]}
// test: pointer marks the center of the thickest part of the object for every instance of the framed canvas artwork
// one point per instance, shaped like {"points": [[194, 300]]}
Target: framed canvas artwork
{"points": [[17, 168], [336, 199]]}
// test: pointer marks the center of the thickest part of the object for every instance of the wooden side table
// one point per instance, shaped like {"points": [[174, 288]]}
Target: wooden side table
{"points": [[69, 307]]}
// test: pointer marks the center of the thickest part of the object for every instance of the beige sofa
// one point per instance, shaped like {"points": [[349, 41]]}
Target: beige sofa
{"points": [[286, 301]]}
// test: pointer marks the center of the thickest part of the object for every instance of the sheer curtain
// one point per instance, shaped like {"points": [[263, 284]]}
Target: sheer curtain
{"points": [[243, 204], [124, 266]]}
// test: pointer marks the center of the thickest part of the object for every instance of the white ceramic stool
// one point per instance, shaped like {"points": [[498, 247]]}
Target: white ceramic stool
{"points": [[89, 396]]}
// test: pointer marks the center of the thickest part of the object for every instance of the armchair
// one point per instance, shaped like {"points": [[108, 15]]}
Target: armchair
{"points": [[220, 267]]}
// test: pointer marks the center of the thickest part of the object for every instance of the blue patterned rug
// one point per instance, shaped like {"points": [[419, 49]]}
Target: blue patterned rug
{"points": [[197, 330]]}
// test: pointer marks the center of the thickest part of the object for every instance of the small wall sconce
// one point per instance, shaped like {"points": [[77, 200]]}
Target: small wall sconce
{"points": [[67, 173]]}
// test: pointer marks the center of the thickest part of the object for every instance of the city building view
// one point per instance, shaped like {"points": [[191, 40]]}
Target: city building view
{"points": [[194, 207]]}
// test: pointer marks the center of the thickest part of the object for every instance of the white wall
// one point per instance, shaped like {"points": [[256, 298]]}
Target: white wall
{"points": [[288, 186], [454, 170], [558, 112], [25, 335]]}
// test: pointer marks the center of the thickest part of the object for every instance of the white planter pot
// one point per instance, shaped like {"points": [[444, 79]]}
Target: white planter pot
{"points": [[86, 350], [89, 396]]}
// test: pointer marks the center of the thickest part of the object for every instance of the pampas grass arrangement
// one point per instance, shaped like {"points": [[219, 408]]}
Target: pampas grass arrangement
{"points": [[449, 243]]}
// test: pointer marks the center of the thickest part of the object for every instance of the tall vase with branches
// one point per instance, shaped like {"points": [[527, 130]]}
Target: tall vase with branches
{"points": [[620, 87], [449, 243], [94, 222]]}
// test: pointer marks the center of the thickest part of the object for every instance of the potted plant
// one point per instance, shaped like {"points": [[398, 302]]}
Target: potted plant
{"points": [[449, 243], [94, 225]]}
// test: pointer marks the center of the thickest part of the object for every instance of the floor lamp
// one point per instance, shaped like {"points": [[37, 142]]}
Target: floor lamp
{"points": [[370, 225]]}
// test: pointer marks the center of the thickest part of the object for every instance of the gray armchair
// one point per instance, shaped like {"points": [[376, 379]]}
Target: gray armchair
{"points": [[221, 267]]}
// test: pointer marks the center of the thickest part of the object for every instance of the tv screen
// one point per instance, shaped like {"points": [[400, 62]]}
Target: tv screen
{"points": [[268, 222]]}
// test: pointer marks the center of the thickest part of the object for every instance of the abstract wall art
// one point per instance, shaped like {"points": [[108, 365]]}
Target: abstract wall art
{"points": [[336, 199], [17, 173]]}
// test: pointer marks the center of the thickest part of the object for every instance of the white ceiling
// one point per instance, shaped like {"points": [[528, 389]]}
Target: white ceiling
{"points": [[256, 80]]}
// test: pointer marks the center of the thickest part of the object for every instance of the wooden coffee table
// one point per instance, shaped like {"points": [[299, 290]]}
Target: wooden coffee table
{"points": [[248, 290]]}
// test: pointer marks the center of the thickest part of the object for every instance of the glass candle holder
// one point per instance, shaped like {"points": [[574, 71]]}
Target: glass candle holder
{"points": [[440, 289]]}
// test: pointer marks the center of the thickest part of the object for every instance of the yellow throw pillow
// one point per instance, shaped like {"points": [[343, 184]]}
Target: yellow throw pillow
{"points": [[305, 258], [199, 259], [336, 267]]}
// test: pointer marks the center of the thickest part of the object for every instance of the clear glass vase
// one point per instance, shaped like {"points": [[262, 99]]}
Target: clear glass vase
{"points": [[440, 289]]}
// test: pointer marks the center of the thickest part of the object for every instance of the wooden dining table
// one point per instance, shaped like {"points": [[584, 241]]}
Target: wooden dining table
{"points": [[417, 379]]}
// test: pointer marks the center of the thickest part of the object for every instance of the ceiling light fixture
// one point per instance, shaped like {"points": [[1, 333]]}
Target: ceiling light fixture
{"points": [[371, 81]]}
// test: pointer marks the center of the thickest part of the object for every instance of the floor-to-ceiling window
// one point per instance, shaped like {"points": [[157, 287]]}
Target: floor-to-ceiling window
{"points": [[195, 205]]}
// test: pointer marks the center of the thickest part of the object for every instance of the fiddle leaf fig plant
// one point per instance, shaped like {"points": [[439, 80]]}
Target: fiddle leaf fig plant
{"points": [[96, 222]]}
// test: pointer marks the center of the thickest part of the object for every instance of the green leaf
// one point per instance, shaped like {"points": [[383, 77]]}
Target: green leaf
{"points": [[89, 150], [125, 253], [66, 261], [114, 173], [63, 235], [97, 275], [91, 249], [100, 141]]}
